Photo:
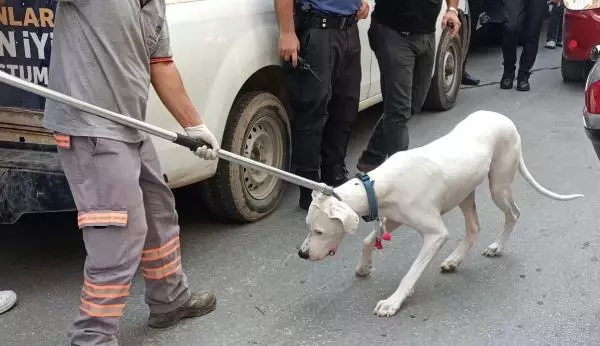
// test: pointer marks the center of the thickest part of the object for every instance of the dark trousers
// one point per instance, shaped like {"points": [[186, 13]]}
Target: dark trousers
{"points": [[405, 64], [554, 32], [324, 110], [525, 18]]}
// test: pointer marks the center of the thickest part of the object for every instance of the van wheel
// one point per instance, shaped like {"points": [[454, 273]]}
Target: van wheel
{"points": [[446, 80], [258, 128], [572, 71]]}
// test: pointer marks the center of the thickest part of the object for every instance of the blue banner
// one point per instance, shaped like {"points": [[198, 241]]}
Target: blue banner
{"points": [[26, 28]]}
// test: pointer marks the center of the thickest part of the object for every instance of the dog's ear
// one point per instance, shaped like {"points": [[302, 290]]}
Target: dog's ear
{"points": [[348, 217]]}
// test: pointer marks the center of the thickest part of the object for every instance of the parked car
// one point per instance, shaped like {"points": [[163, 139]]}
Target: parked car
{"points": [[226, 52], [591, 111], [581, 33]]}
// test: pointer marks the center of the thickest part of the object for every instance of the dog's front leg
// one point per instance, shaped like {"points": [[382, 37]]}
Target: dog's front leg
{"points": [[364, 266], [434, 236]]}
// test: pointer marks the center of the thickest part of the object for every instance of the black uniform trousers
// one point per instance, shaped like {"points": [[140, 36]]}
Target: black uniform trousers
{"points": [[525, 18], [324, 110]]}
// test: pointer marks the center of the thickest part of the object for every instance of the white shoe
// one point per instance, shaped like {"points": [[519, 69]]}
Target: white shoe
{"points": [[7, 300], [550, 44]]}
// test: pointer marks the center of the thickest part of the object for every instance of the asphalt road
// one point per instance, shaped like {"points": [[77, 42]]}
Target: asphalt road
{"points": [[543, 291]]}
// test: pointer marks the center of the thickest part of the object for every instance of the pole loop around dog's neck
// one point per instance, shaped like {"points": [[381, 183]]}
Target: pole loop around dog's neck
{"points": [[369, 185]]}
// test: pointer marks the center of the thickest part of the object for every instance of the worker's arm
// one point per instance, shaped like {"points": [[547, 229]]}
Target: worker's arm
{"points": [[288, 41], [168, 85], [451, 17]]}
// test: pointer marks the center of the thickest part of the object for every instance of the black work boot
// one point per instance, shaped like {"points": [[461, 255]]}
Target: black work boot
{"points": [[306, 194], [523, 81], [507, 80], [335, 176], [467, 79], [366, 163], [200, 303], [305, 198]]}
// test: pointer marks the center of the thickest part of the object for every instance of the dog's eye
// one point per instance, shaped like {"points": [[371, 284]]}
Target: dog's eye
{"points": [[318, 232]]}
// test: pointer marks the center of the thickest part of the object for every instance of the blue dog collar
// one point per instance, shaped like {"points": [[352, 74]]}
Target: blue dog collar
{"points": [[369, 185]]}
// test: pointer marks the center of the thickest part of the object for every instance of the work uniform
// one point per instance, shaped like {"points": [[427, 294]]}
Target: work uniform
{"points": [[102, 52], [402, 36], [523, 18], [324, 108]]}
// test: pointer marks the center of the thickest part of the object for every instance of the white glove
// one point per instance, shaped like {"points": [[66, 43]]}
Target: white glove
{"points": [[202, 132]]}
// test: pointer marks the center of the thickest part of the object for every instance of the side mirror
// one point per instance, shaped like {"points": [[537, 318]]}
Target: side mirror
{"points": [[595, 53]]}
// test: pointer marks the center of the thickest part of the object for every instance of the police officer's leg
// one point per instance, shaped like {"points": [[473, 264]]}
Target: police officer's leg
{"points": [[309, 98], [396, 61], [343, 106], [514, 11], [423, 70], [103, 176], [532, 27]]}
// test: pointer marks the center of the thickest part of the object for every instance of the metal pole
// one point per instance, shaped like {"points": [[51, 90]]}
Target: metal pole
{"points": [[157, 131]]}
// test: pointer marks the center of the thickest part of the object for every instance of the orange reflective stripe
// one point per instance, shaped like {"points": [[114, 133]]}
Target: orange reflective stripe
{"points": [[161, 59], [97, 310], [164, 271], [105, 291], [161, 252], [62, 141], [118, 218]]}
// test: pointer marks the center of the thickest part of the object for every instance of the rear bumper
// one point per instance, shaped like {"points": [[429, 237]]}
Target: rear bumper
{"points": [[31, 181], [582, 28]]}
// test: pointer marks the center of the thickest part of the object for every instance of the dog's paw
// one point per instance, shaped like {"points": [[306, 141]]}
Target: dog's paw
{"points": [[388, 307], [363, 270], [493, 251], [450, 264], [448, 267]]}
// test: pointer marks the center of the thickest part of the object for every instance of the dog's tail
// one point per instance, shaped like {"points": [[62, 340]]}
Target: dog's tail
{"points": [[527, 176]]}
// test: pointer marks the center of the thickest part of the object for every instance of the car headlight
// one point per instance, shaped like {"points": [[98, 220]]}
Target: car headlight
{"points": [[581, 5]]}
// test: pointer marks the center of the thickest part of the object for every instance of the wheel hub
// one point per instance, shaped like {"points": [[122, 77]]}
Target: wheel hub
{"points": [[450, 61], [264, 143]]}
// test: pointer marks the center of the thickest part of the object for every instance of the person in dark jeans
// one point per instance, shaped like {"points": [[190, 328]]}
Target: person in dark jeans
{"points": [[324, 33], [554, 33], [402, 36], [521, 17]]}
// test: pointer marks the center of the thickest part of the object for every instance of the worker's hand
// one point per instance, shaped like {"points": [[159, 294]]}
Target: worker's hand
{"points": [[363, 13], [289, 46], [451, 21], [203, 133]]}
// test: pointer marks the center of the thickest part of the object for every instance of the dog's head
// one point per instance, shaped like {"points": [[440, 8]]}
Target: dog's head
{"points": [[328, 220]]}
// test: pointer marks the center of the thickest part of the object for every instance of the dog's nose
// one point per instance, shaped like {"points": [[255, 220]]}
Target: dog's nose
{"points": [[303, 254]]}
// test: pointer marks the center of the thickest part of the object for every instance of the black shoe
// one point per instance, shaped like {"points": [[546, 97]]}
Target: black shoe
{"points": [[305, 198], [467, 79], [335, 176], [523, 82], [559, 43], [507, 81]]}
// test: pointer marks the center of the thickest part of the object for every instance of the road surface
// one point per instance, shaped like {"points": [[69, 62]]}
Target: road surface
{"points": [[543, 291]]}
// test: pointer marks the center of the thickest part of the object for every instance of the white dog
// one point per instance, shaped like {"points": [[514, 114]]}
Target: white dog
{"points": [[416, 187]]}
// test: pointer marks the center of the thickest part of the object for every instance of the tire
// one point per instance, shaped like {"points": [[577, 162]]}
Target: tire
{"points": [[257, 128], [446, 80], [572, 71]]}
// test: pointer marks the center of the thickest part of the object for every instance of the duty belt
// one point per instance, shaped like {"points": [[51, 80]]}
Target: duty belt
{"points": [[315, 20]]}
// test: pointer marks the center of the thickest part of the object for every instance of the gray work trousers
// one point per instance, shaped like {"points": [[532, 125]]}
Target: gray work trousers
{"points": [[405, 64], [127, 216]]}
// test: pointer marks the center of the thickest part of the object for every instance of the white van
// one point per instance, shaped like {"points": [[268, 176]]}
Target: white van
{"points": [[227, 54]]}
